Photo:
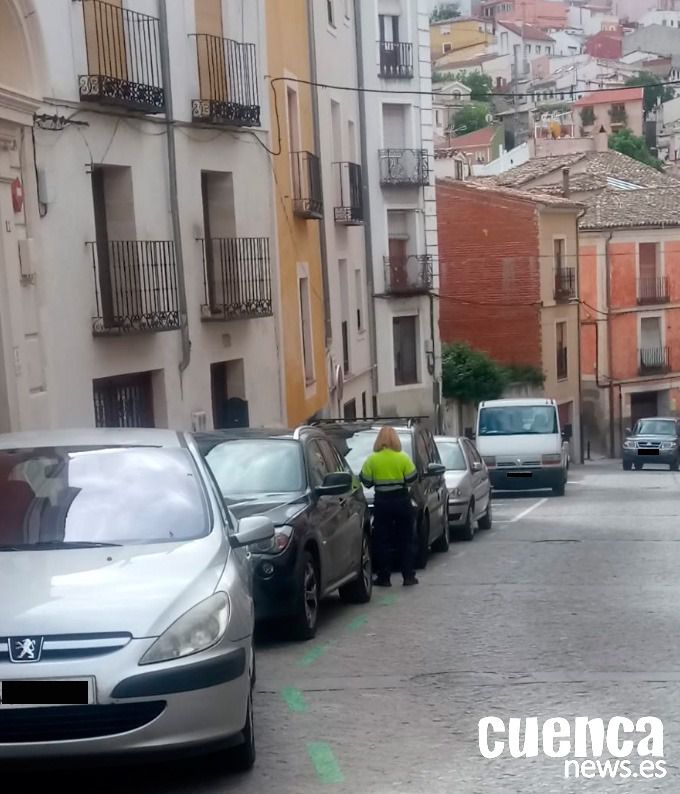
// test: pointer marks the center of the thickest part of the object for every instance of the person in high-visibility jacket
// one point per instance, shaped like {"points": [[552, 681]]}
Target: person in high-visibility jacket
{"points": [[390, 471]]}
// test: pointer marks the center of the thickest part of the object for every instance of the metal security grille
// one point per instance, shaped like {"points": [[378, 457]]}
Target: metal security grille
{"points": [[307, 193], [404, 167], [124, 401]]}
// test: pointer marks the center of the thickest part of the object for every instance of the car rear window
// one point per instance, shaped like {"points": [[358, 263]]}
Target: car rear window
{"points": [[451, 455], [361, 446], [258, 466], [73, 495]]}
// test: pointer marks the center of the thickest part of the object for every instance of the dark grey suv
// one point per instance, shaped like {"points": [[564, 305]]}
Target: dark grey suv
{"points": [[653, 441]]}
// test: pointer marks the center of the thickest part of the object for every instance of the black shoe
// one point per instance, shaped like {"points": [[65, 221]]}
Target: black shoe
{"points": [[409, 581], [382, 582]]}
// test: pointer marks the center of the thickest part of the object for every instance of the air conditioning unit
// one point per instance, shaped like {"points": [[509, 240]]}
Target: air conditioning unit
{"points": [[199, 421]]}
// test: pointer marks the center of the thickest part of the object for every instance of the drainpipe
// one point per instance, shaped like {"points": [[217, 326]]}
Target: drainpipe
{"points": [[610, 355], [578, 322], [317, 145], [367, 203], [174, 199]]}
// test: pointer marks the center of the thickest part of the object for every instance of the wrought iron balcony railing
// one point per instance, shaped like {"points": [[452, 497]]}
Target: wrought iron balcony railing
{"points": [[653, 290], [136, 288], [228, 84], [404, 167], [123, 58], [236, 278], [396, 60], [655, 360], [565, 283], [350, 201], [408, 275], [307, 193]]}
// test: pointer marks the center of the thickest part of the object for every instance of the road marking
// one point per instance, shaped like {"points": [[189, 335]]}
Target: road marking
{"points": [[295, 700], [387, 601], [357, 623], [529, 510], [325, 764], [312, 655]]}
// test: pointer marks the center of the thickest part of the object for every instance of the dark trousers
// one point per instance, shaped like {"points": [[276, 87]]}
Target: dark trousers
{"points": [[393, 535]]}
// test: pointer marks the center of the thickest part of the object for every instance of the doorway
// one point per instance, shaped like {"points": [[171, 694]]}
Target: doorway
{"points": [[644, 405], [230, 407]]}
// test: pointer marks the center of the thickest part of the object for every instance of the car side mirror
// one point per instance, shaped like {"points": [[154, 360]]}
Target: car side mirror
{"points": [[335, 484], [629, 431], [567, 432], [254, 529], [435, 470], [476, 466]]}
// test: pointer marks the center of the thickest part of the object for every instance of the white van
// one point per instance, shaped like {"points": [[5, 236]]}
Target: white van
{"points": [[523, 445]]}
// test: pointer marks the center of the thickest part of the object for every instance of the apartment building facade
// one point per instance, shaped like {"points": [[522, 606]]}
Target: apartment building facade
{"points": [[400, 206], [146, 287]]}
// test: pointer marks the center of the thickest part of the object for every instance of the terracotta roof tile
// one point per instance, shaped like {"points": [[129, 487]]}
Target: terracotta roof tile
{"points": [[616, 209], [609, 97]]}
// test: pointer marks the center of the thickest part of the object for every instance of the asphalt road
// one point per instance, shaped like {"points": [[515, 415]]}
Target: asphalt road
{"points": [[568, 607]]}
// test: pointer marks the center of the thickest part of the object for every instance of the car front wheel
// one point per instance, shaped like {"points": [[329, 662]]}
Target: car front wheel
{"points": [[486, 520], [307, 612], [242, 757]]}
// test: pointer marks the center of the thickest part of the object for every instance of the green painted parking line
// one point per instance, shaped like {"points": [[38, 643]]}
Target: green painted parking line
{"points": [[387, 600], [357, 623], [325, 764], [295, 700], [312, 655]]}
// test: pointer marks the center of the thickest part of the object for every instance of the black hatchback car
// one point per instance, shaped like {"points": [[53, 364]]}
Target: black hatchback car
{"points": [[653, 441], [322, 540], [429, 494]]}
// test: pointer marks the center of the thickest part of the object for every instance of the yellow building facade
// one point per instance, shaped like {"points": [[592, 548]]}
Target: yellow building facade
{"points": [[299, 208], [471, 35]]}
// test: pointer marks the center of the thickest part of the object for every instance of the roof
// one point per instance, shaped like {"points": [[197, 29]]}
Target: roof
{"points": [[488, 188], [483, 137], [602, 164], [457, 21], [611, 96], [450, 61], [614, 209], [91, 437], [526, 31]]}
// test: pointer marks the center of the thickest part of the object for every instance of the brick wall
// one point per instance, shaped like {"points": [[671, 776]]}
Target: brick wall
{"points": [[488, 253]]}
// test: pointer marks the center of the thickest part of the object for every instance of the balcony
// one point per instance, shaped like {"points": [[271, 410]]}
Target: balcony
{"points": [[565, 283], [652, 290], [307, 194], [396, 60], [404, 167], [136, 289], [236, 279], [227, 79], [350, 209], [655, 361], [408, 275], [123, 58]]}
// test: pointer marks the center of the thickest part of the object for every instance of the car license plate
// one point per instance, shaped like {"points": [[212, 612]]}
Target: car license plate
{"points": [[648, 452], [35, 694], [519, 474]]}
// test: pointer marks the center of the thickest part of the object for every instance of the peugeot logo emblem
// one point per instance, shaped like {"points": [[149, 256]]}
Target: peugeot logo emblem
{"points": [[24, 650]]}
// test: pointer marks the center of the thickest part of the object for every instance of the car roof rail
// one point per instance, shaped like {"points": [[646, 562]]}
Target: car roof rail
{"points": [[297, 433], [372, 420]]}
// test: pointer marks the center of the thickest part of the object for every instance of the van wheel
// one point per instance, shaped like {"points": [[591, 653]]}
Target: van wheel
{"points": [[559, 490], [423, 542]]}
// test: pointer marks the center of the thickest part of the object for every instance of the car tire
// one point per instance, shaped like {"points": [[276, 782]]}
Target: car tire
{"points": [[559, 490], [360, 590], [675, 466], [638, 466], [242, 757], [441, 545], [307, 613], [423, 542], [486, 521], [467, 531], [627, 465]]}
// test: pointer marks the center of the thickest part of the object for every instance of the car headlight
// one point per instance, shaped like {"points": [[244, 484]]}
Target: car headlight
{"points": [[276, 544], [455, 493], [197, 630], [669, 445], [627, 444]]}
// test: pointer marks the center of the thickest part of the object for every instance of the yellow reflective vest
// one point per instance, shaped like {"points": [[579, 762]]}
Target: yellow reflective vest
{"points": [[388, 471]]}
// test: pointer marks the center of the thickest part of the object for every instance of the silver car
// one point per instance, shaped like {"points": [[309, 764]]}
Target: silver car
{"points": [[127, 616], [468, 485]]}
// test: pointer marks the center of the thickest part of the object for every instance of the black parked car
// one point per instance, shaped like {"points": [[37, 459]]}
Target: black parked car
{"points": [[429, 494], [322, 539], [653, 441]]}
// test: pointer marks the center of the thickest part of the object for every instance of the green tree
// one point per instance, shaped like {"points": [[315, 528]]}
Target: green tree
{"points": [[470, 376], [479, 84], [444, 11], [471, 117], [655, 90], [634, 146]]}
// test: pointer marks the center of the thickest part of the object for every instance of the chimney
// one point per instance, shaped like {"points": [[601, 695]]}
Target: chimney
{"points": [[566, 186], [601, 140]]}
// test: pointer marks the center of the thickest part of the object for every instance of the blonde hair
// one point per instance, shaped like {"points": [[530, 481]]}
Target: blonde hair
{"points": [[387, 439]]}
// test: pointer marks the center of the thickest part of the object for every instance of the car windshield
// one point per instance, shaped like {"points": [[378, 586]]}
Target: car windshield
{"points": [[60, 497], [518, 420], [654, 427], [257, 466], [361, 445], [451, 455]]}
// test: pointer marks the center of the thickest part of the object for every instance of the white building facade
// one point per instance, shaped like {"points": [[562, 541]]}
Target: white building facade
{"points": [[138, 280], [401, 218]]}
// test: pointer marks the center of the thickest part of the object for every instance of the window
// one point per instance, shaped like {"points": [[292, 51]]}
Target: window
{"points": [[650, 334], [446, 47], [359, 297], [330, 10], [517, 420], [405, 339], [124, 401], [538, 49], [452, 456], [559, 253], [459, 170], [364, 405], [527, 49], [306, 330], [318, 468], [349, 411], [389, 28], [344, 314], [445, 30], [562, 352], [548, 50]]}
